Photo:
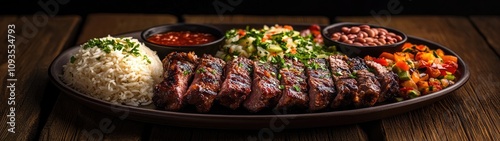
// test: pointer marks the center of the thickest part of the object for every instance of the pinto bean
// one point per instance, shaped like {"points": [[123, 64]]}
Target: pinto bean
{"points": [[348, 41], [355, 30], [360, 39], [357, 44], [364, 35], [343, 38], [345, 30], [369, 40]]}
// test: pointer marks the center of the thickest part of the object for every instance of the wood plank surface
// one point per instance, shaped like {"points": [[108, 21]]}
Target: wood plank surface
{"points": [[489, 26], [101, 25], [348, 132], [37, 44], [247, 19], [469, 113], [71, 121]]}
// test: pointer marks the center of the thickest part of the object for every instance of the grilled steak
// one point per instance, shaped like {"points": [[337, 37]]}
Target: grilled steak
{"points": [[293, 80], [321, 86], [237, 84], [206, 83], [368, 85], [345, 83], [179, 70], [265, 87], [388, 81]]}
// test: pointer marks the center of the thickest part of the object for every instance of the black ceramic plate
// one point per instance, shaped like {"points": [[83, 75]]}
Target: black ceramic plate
{"points": [[221, 118]]}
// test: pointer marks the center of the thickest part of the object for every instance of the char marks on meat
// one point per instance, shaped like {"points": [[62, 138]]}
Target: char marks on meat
{"points": [[206, 83], [345, 83], [388, 81], [179, 70], [237, 84], [368, 85], [265, 87], [321, 85], [293, 80]]}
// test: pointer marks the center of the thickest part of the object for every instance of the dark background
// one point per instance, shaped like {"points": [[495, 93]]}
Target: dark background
{"points": [[253, 7]]}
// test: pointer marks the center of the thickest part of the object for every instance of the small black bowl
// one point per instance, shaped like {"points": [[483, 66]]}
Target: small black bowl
{"points": [[200, 49], [361, 51]]}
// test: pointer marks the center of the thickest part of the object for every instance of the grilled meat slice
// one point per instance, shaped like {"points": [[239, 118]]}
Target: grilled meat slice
{"points": [[265, 87], [388, 81], [237, 84], [345, 83], [179, 70], [321, 85], [294, 83], [368, 85], [206, 83]]}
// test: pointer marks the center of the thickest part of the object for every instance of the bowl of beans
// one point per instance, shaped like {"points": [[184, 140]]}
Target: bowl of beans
{"points": [[359, 39], [182, 37]]}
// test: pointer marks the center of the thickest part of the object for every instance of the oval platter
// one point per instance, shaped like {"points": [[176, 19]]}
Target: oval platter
{"points": [[239, 119]]}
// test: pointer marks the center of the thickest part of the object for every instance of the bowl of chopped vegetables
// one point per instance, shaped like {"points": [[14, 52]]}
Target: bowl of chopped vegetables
{"points": [[421, 70], [273, 43]]}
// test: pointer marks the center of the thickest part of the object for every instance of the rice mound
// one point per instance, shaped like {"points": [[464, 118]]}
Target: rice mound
{"points": [[124, 72]]}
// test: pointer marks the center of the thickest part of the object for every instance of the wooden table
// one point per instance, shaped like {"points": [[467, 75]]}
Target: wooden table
{"points": [[42, 112]]}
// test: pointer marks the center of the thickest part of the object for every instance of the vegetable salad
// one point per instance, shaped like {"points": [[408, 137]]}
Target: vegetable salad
{"points": [[272, 44], [420, 69]]}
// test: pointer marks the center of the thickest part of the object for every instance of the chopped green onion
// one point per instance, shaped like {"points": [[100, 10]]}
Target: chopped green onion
{"points": [[72, 59], [297, 88]]}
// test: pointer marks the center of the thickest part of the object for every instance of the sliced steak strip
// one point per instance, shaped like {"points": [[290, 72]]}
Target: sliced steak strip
{"points": [[265, 87], [388, 81], [179, 70], [368, 85], [206, 83], [293, 80], [345, 83], [237, 84], [321, 85]]}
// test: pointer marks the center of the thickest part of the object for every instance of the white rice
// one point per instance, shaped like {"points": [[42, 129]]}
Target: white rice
{"points": [[118, 76]]}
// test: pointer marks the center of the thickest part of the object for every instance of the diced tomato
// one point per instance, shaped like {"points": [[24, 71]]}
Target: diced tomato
{"points": [[381, 61], [288, 27], [314, 27], [450, 66], [433, 72], [443, 72], [447, 58], [315, 33], [423, 64], [407, 45], [402, 65], [387, 55], [422, 48], [241, 32]]}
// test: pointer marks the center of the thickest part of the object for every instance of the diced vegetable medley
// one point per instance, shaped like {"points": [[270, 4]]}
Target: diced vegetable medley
{"points": [[272, 44], [420, 69]]}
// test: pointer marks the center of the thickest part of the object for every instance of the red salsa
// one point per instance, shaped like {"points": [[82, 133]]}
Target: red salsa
{"points": [[181, 38]]}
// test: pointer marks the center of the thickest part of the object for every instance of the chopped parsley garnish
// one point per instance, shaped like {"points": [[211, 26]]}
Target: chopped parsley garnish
{"points": [[281, 87], [201, 70], [186, 72], [117, 44], [297, 88], [339, 73], [352, 75], [72, 59]]}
